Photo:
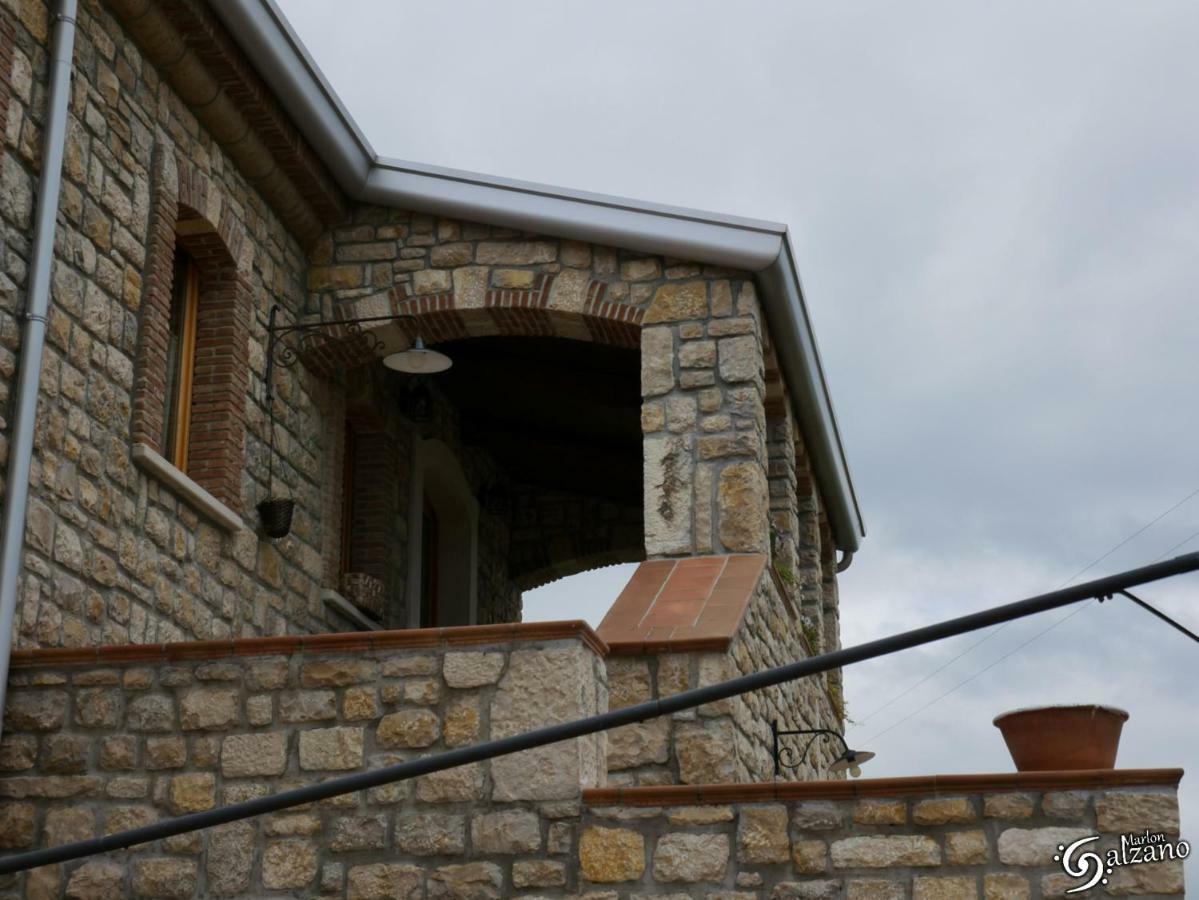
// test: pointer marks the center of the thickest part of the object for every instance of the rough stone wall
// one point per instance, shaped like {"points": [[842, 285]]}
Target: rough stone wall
{"points": [[90, 750], [977, 846], [802, 550], [112, 554], [729, 741], [705, 423], [769, 637], [97, 748]]}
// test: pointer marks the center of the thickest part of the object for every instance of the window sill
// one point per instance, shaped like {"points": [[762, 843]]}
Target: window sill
{"points": [[146, 459], [349, 610]]}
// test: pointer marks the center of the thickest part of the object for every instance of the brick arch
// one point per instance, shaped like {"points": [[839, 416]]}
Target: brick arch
{"points": [[531, 312], [550, 571], [562, 534], [582, 313], [191, 211]]}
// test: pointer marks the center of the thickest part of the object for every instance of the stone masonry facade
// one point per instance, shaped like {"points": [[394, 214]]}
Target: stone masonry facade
{"points": [[98, 742], [172, 658], [116, 552]]}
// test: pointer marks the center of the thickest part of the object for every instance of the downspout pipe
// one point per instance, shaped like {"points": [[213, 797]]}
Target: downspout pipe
{"points": [[33, 338]]}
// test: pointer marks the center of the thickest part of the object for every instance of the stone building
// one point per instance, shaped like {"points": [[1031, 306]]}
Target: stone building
{"points": [[230, 265]]}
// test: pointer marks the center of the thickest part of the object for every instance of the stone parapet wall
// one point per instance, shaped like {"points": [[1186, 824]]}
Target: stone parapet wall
{"points": [[102, 741], [943, 838]]}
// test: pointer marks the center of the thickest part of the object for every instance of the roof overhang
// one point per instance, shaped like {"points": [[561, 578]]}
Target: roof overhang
{"points": [[760, 247]]}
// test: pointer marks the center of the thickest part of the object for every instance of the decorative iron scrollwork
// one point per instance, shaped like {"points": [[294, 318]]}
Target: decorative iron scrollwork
{"points": [[790, 758], [286, 344]]}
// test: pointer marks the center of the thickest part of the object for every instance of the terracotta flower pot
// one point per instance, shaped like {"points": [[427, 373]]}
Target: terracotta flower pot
{"points": [[1050, 738]]}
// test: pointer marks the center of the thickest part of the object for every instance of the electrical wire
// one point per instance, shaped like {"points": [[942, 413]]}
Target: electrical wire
{"points": [[1181, 543], [981, 671], [990, 634]]}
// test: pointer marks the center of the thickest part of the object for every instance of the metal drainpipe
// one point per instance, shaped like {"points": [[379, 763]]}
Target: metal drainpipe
{"points": [[37, 306]]}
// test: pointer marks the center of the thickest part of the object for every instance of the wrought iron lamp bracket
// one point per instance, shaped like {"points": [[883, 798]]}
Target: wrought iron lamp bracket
{"points": [[785, 757], [285, 344]]}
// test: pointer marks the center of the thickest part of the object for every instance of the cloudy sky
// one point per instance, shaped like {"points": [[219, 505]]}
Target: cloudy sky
{"points": [[996, 212]]}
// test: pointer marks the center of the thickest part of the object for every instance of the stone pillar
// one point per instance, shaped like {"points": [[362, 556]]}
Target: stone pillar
{"points": [[704, 420], [810, 568], [784, 517]]}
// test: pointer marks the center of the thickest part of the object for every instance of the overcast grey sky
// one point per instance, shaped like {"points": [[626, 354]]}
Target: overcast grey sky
{"points": [[996, 212]]}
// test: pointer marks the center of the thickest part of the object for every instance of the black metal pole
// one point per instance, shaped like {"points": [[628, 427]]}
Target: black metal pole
{"points": [[1102, 587], [1161, 615]]}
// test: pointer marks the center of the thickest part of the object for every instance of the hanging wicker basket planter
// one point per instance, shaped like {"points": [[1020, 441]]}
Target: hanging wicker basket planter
{"points": [[276, 513]]}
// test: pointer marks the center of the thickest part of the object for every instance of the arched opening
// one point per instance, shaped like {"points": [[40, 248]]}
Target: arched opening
{"points": [[520, 465], [561, 418]]}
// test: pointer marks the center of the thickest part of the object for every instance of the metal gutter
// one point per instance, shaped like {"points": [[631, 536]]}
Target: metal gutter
{"points": [[596, 218], [760, 247], [33, 339], [540, 737], [275, 50]]}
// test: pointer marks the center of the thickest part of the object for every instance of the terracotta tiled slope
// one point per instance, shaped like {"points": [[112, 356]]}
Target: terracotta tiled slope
{"points": [[682, 604]]}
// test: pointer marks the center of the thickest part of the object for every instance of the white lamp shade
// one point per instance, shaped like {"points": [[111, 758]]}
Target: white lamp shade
{"points": [[418, 360], [851, 759]]}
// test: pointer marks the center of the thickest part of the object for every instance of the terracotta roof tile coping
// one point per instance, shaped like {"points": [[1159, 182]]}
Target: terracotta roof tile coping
{"points": [[339, 642], [682, 605], [923, 785]]}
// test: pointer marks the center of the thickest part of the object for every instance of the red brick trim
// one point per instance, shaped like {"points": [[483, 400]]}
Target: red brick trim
{"points": [[216, 449], [612, 323], [374, 485], [7, 36], [438, 317], [514, 313], [341, 642], [923, 785]]}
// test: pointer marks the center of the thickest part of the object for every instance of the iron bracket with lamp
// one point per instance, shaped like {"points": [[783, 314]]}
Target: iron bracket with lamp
{"points": [[786, 757], [287, 343]]}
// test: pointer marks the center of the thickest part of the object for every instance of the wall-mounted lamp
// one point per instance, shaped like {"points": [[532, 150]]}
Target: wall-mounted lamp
{"points": [[786, 757], [285, 344], [418, 360]]}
